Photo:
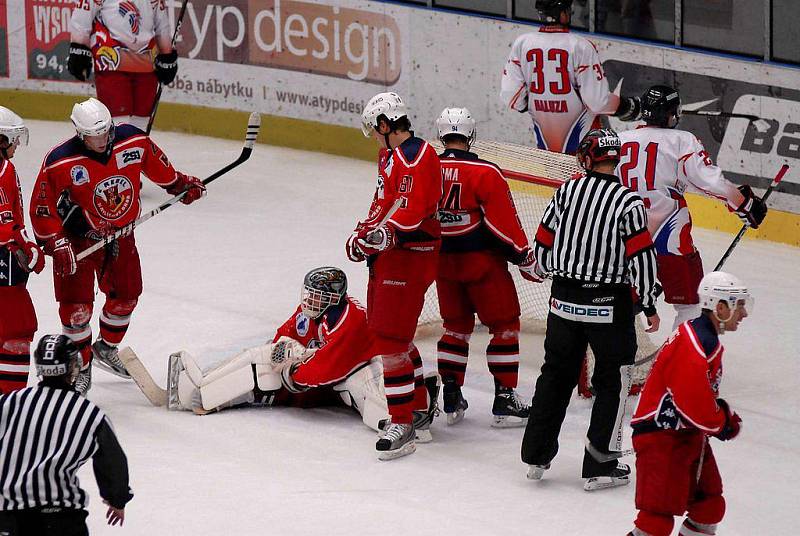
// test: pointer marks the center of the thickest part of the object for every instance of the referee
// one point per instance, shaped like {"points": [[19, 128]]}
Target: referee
{"points": [[47, 433], [593, 240]]}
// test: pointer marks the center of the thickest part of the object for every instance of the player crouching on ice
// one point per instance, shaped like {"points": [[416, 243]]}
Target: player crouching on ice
{"points": [[322, 355], [679, 409]]}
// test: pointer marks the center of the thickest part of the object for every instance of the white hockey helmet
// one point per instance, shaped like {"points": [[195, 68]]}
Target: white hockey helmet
{"points": [[13, 127], [91, 118], [718, 287], [456, 121], [388, 105]]}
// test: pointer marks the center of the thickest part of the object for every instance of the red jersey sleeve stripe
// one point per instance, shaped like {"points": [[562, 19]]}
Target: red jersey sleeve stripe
{"points": [[545, 236], [637, 243]]}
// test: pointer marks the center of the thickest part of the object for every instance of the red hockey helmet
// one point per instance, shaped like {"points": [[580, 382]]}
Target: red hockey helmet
{"points": [[599, 145]]}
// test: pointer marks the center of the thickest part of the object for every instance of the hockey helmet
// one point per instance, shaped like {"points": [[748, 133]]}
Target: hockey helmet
{"points": [[322, 288], [550, 10], [458, 122], [12, 127], [57, 355], [599, 145], [661, 106], [718, 287], [388, 106]]}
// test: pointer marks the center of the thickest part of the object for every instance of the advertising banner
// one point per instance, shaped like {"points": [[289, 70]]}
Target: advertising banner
{"points": [[3, 39], [47, 35]]}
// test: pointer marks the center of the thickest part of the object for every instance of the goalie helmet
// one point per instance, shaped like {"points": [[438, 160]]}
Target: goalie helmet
{"points": [[661, 106], [718, 287], [599, 145], [388, 106], [456, 121], [55, 356], [12, 128], [322, 288], [550, 10]]}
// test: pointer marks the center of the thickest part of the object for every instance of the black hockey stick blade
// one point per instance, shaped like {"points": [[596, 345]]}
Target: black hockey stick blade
{"points": [[775, 182], [761, 124], [253, 128]]}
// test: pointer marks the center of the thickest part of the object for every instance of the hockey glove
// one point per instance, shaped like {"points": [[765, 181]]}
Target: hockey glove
{"points": [[375, 241], [28, 254], [629, 109], [166, 66], [530, 269], [753, 210], [79, 63], [352, 249], [60, 248], [733, 423], [194, 188]]}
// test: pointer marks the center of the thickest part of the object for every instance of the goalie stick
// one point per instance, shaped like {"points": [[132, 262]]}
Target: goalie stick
{"points": [[178, 23], [155, 394], [253, 127], [784, 169], [603, 457]]}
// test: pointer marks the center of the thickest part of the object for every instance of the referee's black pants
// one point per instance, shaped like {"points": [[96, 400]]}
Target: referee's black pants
{"points": [[44, 522], [614, 346]]}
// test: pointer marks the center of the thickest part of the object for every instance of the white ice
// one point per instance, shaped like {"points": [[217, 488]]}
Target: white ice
{"points": [[220, 275]]}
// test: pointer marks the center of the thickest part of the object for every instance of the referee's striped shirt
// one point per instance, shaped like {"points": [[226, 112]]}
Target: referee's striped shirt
{"points": [[595, 230], [46, 435]]}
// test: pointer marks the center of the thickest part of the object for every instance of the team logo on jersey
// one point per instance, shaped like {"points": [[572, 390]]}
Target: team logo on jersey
{"points": [[129, 12], [128, 157], [113, 197], [6, 217], [107, 58], [301, 324], [79, 174]]}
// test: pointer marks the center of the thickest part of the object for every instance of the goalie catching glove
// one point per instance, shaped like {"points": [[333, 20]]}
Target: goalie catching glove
{"points": [[753, 210]]}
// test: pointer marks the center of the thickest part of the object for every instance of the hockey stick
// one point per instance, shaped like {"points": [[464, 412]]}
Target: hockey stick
{"points": [[731, 115], [155, 394], [604, 457], [772, 186], [253, 127], [160, 89]]}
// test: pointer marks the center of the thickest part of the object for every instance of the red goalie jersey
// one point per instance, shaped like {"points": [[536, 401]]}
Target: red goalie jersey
{"points": [[477, 211]]}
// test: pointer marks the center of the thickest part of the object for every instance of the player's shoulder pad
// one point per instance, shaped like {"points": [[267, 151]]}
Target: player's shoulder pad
{"points": [[67, 149], [411, 148], [706, 335], [125, 131]]}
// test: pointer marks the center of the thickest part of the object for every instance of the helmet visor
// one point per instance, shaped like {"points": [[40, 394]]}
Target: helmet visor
{"points": [[16, 135]]}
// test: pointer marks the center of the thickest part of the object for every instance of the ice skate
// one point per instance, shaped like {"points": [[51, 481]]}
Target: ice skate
{"points": [[84, 381], [453, 402], [620, 476], [106, 356], [398, 441], [536, 472], [508, 409]]}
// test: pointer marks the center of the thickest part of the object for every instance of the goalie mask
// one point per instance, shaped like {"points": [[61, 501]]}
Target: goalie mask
{"points": [[456, 122], [57, 355], [322, 288]]}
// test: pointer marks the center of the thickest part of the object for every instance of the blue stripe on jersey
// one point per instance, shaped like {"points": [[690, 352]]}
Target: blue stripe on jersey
{"points": [[575, 136], [411, 148]]}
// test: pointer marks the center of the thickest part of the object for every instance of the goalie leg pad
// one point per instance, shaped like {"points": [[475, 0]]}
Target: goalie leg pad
{"points": [[364, 391]]}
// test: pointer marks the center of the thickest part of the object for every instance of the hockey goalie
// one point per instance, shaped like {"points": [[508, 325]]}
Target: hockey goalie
{"points": [[321, 356]]}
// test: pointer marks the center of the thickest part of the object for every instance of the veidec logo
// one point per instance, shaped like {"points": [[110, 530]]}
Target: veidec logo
{"points": [[299, 36]]}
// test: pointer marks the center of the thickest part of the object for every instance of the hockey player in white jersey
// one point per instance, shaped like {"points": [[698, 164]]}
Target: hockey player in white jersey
{"points": [[557, 77], [661, 163]]}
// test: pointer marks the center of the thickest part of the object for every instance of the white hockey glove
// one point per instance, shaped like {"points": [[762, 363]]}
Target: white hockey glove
{"points": [[353, 251], [530, 269]]}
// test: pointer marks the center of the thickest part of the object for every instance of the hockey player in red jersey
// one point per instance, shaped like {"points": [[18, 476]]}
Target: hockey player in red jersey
{"points": [[481, 233], [661, 162], [556, 76], [401, 249], [128, 44], [88, 187], [19, 256], [679, 410], [323, 355]]}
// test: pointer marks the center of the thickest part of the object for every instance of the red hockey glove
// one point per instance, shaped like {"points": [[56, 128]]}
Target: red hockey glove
{"points": [[733, 423], [530, 269], [60, 248], [375, 241], [753, 210], [194, 187], [352, 249], [29, 255]]}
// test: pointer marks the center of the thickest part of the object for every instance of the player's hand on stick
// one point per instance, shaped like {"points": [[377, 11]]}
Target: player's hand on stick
{"points": [[30, 256], [79, 63], [530, 269], [63, 253], [166, 66], [115, 515], [370, 242], [194, 187], [733, 423], [352, 249], [753, 210]]}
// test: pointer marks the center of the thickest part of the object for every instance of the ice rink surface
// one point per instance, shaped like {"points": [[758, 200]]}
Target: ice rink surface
{"points": [[222, 274]]}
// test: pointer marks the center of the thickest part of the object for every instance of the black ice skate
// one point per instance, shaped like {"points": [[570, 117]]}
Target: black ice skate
{"points": [[620, 476], [422, 419], [453, 401], [397, 441], [84, 381], [508, 409], [107, 358]]}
